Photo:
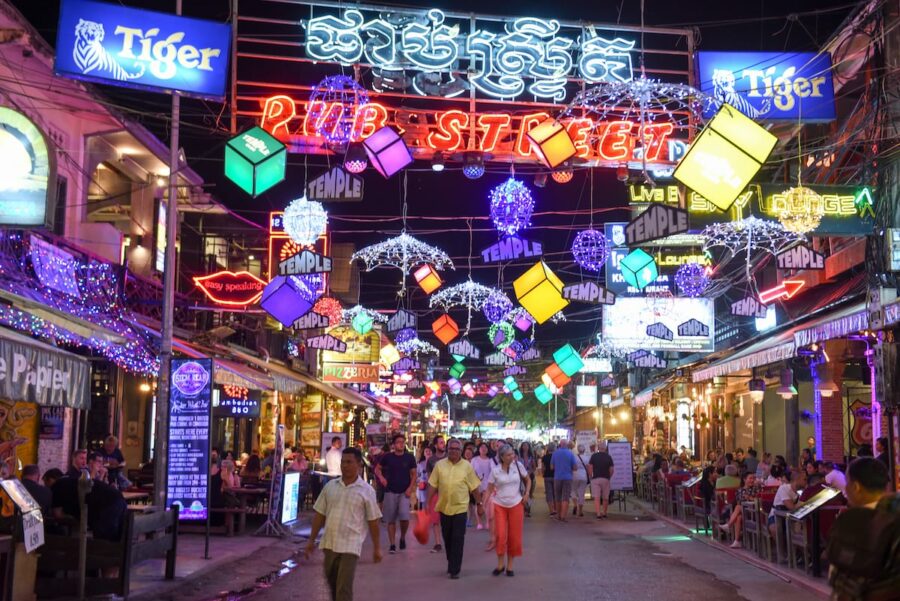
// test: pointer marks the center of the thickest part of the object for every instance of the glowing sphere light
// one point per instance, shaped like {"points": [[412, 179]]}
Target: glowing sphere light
{"points": [[511, 206], [691, 279], [304, 221], [590, 249]]}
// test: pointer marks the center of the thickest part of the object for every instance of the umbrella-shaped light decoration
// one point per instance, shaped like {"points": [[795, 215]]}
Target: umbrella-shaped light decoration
{"points": [[352, 312], [749, 235], [402, 252], [470, 295], [416, 346]]}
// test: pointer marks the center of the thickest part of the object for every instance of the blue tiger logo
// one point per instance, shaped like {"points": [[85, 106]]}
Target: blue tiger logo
{"points": [[723, 91], [90, 55]]}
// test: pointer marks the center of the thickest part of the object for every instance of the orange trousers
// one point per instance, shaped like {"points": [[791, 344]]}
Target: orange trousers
{"points": [[508, 523]]}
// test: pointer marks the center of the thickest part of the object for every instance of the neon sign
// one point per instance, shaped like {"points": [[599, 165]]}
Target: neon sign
{"points": [[501, 134], [786, 290], [282, 248], [235, 289], [446, 56]]}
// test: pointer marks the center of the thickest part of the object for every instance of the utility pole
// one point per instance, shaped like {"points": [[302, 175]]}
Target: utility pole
{"points": [[161, 461]]}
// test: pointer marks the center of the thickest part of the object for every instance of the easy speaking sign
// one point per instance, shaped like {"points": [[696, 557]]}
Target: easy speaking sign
{"points": [[121, 46]]}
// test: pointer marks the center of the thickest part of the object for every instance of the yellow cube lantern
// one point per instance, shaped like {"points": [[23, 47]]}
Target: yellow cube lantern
{"points": [[552, 143], [427, 278], [539, 292], [389, 355], [726, 155], [445, 328]]}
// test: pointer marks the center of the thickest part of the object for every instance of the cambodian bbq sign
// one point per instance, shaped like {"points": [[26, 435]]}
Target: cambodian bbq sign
{"points": [[121, 46], [190, 405]]}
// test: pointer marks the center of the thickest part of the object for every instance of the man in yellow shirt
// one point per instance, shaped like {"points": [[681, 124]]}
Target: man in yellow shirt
{"points": [[453, 480]]}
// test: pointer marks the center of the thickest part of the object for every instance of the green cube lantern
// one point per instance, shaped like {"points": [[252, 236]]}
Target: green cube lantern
{"points": [[362, 323], [255, 161], [510, 383], [457, 370], [568, 359], [517, 394], [543, 394], [639, 269]]}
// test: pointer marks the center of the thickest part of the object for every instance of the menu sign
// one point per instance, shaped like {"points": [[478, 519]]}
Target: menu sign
{"points": [[190, 403]]}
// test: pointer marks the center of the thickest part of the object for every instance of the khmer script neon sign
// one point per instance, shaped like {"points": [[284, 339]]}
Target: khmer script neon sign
{"points": [[436, 55]]}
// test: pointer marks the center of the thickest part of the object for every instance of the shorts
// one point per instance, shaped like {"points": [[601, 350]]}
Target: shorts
{"points": [[396, 507], [562, 490], [548, 491], [600, 488]]}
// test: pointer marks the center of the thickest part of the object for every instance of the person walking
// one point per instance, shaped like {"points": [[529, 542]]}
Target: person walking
{"points": [[483, 466], [438, 452], [600, 470], [345, 507], [397, 474], [453, 480], [547, 473], [580, 481], [509, 484], [529, 461], [564, 463]]}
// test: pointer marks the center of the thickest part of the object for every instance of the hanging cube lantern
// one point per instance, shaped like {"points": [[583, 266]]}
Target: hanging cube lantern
{"points": [[568, 359], [726, 155], [539, 291], [286, 299], [457, 370], [469, 390], [428, 279], [445, 328], [501, 335], [255, 161], [510, 383], [552, 142], [362, 323], [389, 355], [543, 394], [454, 385], [523, 320], [493, 391], [517, 395], [387, 151], [557, 375], [639, 269]]}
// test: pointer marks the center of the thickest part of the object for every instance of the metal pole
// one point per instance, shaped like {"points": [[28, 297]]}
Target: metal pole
{"points": [[161, 462]]}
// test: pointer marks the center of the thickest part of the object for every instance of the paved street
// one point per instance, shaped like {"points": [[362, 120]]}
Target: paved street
{"points": [[626, 557]]}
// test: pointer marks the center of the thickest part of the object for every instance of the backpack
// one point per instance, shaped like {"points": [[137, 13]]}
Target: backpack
{"points": [[864, 553]]}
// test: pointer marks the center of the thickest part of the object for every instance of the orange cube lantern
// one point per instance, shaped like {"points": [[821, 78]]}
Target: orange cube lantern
{"points": [[445, 328], [552, 142], [428, 278], [557, 375]]}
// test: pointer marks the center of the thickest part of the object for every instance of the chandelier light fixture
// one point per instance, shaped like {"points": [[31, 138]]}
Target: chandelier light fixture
{"points": [[802, 210], [304, 221], [511, 206]]}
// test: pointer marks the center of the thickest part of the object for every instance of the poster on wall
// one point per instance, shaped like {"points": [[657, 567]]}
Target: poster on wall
{"points": [[310, 421], [52, 419], [859, 407], [190, 407], [18, 432]]}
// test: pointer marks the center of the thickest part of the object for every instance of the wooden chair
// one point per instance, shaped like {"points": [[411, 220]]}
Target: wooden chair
{"points": [[798, 538], [723, 499], [701, 515], [751, 526]]}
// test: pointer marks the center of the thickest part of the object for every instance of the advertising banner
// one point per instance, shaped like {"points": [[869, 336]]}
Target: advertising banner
{"points": [[28, 175], [689, 321], [121, 46], [29, 373]]}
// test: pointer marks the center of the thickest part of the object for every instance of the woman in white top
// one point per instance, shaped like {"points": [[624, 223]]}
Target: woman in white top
{"points": [[579, 481], [483, 465], [509, 484]]}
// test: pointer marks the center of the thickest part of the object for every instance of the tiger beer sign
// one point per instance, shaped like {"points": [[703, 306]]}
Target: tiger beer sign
{"points": [[122, 46]]}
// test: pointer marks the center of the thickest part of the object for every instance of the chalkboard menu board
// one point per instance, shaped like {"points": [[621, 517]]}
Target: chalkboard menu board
{"points": [[621, 456], [190, 403]]}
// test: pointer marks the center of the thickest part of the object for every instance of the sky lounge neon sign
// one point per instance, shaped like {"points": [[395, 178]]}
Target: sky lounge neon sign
{"points": [[529, 57]]}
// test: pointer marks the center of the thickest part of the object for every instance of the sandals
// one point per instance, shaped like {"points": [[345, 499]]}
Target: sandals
{"points": [[498, 571]]}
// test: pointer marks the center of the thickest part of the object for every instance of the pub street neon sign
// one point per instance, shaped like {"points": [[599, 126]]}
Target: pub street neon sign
{"points": [[312, 321], [588, 292], [327, 342], [658, 221], [402, 319], [303, 263], [531, 56], [510, 248], [336, 185], [800, 257], [749, 307], [464, 349], [230, 288]]}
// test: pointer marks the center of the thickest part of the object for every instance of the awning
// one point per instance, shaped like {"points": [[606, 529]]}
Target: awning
{"points": [[839, 324], [34, 372], [646, 395]]}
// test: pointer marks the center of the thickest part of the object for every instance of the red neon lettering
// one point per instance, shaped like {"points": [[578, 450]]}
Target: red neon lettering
{"points": [[529, 122], [578, 130], [277, 113], [448, 136], [370, 117], [655, 137], [314, 111], [492, 124], [616, 143]]}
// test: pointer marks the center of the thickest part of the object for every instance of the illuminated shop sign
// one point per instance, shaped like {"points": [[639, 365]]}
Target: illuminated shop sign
{"points": [[282, 248], [849, 210], [342, 372], [235, 289], [668, 260], [647, 324], [770, 86], [431, 53], [236, 401], [124, 46], [503, 135], [26, 172]]}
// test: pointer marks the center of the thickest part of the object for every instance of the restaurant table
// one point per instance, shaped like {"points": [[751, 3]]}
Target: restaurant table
{"points": [[245, 495], [136, 498]]}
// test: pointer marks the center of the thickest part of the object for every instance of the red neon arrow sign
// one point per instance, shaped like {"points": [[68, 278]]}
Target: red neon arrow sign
{"points": [[787, 289]]}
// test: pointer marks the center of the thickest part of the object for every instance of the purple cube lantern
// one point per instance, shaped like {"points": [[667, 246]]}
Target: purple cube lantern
{"points": [[387, 151], [286, 299], [523, 321]]}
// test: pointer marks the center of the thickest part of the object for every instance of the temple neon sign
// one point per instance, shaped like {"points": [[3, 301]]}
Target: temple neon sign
{"points": [[445, 56], [501, 134]]}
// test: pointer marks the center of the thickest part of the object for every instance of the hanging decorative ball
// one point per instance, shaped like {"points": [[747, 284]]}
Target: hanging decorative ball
{"points": [[356, 160], [590, 249], [511, 206], [405, 335], [801, 210], [691, 279], [473, 165], [562, 176], [334, 103], [501, 334], [331, 308], [496, 306], [304, 221]]}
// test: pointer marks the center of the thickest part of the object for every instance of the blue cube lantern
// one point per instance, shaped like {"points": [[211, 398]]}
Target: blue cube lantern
{"points": [[543, 394], [568, 360], [639, 269], [517, 395], [287, 299], [362, 323], [255, 161]]}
